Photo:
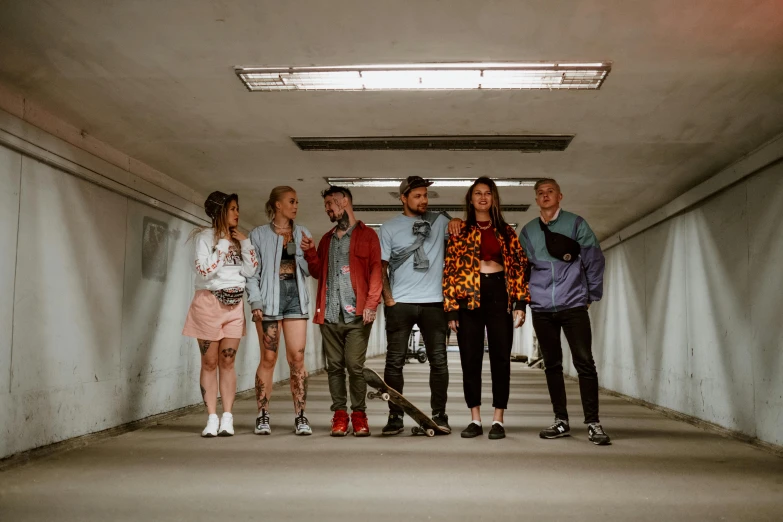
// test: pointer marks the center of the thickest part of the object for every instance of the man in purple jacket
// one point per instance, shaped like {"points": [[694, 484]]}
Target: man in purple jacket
{"points": [[567, 274]]}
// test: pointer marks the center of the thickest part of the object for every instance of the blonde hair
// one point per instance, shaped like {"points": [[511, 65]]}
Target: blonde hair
{"points": [[275, 196], [546, 181]]}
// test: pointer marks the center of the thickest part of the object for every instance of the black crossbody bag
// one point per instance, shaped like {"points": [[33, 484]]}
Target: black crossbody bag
{"points": [[559, 246]]}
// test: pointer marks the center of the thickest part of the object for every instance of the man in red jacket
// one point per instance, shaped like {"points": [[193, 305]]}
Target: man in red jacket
{"points": [[347, 265]]}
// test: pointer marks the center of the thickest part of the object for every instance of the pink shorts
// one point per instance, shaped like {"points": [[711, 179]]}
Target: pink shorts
{"points": [[210, 320]]}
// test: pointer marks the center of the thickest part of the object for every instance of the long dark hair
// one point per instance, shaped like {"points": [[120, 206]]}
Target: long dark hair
{"points": [[494, 212]]}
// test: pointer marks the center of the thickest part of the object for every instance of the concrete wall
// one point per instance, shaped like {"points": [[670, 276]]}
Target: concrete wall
{"points": [[96, 287], [691, 315]]}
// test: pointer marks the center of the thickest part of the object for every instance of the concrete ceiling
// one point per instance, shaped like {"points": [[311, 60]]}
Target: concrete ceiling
{"points": [[694, 86]]}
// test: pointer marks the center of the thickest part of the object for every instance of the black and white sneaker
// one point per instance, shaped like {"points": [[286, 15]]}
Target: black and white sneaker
{"points": [[301, 425], [559, 429], [473, 430], [597, 435], [442, 420], [262, 424]]}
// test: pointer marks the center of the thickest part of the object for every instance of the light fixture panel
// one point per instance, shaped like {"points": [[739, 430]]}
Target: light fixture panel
{"points": [[432, 76], [437, 182]]}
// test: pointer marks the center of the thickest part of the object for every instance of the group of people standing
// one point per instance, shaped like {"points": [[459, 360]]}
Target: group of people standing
{"points": [[472, 276]]}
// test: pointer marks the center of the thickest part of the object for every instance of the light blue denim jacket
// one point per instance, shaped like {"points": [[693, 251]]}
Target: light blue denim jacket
{"points": [[263, 289]]}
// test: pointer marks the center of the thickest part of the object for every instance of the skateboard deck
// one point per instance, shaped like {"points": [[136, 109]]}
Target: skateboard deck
{"points": [[426, 426]]}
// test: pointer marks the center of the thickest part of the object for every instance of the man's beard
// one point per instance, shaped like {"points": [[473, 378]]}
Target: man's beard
{"points": [[415, 210]]}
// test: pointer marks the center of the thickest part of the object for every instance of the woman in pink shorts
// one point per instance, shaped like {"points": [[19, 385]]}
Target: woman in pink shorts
{"points": [[224, 258]]}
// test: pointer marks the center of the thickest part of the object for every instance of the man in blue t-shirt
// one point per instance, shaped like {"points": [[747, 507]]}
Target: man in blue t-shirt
{"points": [[412, 248]]}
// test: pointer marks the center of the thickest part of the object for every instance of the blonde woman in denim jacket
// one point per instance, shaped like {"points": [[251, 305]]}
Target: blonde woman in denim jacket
{"points": [[280, 302]]}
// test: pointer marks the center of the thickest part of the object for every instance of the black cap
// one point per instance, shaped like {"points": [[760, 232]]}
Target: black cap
{"points": [[413, 182], [214, 203]]}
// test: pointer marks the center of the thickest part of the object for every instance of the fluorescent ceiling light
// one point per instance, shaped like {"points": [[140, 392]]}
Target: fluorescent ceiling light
{"points": [[377, 226], [435, 76], [434, 208], [438, 182]]}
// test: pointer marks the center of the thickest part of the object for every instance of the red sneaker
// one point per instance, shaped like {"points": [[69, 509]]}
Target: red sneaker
{"points": [[360, 426], [340, 424]]}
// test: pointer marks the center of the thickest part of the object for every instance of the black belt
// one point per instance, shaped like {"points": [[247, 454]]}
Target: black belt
{"points": [[284, 277]]}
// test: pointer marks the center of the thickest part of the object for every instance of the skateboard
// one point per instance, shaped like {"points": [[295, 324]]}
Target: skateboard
{"points": [[426, 426]]}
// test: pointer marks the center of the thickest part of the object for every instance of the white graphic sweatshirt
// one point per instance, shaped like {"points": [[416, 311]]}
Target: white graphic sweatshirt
{"points": [[221, 266]]}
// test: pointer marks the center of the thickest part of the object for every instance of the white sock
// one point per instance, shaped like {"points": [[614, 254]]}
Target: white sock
{"points": [[212, 416], [477, 423], [498, 422], [227, 414]]}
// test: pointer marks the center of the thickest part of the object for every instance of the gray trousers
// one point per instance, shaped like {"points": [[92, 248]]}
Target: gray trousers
{"points": [[345, 348]]}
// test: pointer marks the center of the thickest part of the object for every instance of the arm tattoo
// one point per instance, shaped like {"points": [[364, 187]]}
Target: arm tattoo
{"points": [[387, 291], [204, 395], [271, 335], [203, 345], [229, 353], [261, 399]]}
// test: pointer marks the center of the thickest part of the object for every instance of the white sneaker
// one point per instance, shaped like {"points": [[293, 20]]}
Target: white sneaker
{"points": [[301, 426], [226, 425], [262, 424], [212, 426]]}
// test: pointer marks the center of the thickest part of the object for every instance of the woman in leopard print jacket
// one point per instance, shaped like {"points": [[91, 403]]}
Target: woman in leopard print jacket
{"points": [[485, 288]]}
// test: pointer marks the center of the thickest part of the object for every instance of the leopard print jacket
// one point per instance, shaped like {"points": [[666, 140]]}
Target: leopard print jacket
{"points": [[463, 263]]}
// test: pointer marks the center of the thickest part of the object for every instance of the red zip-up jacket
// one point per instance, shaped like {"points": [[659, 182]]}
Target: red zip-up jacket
{"points": [[364, 258]]}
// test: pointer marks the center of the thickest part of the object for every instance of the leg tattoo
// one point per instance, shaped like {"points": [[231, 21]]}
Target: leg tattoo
{"points": [[229, 353], [271, 335], [261, 399], [204, 395], [203, 345], [299, 383]]}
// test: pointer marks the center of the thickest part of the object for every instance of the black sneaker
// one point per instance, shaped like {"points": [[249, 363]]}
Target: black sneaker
{"points": [[473, 430], [555, 431], [497, 431], [597, 435], [394, 426], [442, 420]]}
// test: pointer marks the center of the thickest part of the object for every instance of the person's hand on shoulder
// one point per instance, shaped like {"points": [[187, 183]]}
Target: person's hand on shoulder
{"points": [[455, 227]]}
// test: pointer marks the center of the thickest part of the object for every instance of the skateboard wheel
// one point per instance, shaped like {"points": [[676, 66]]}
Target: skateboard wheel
{"points": [[430, 432], [385, 396], [415, 430]]}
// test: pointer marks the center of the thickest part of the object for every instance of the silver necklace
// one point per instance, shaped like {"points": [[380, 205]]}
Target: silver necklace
{"points": [[486, 227]]}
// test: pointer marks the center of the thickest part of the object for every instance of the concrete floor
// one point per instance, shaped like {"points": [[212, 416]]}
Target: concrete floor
{"points": [[657, 469]]}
